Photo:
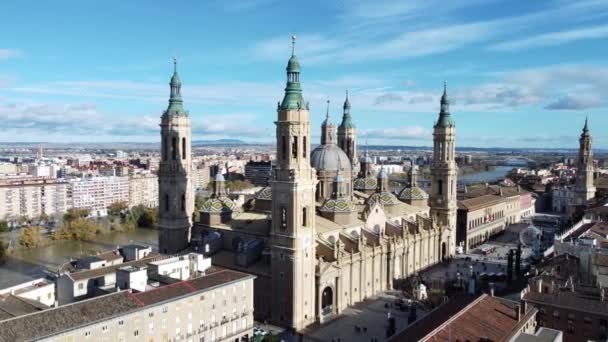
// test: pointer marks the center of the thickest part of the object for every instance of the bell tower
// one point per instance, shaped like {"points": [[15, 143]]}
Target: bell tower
{"points": [[442, 201], [176, 197], [293, 210], [347, 136], [585, 187]]}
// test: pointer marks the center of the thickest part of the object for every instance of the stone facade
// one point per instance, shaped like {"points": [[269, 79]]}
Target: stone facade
{"points": [[176, 195]]}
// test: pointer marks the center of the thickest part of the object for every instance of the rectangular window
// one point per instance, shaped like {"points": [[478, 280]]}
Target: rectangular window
{"points": [[294, 148], [283, 147], [304, 147]]}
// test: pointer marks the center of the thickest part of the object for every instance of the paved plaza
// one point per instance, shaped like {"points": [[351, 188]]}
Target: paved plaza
{"points": [[370, 314]]}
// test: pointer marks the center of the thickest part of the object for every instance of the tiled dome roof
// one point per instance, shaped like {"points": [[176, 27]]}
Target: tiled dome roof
{"points": [[368, 183], [342, 205], [218, 205], [330, 157], [384, 198], [414, 193], [264, 194]]}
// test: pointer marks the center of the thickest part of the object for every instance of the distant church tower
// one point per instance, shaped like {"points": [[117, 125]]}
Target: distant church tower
{"points": [[585, 188], [347, 137], [444, 171], [176, 196], [293, 210]]}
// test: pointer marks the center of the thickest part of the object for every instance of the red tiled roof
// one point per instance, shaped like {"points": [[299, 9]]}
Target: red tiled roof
{"points": [[490, 317]]}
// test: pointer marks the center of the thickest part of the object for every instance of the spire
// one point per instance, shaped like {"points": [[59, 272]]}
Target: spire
{"points": [[327, 129], [293, 92], [444, 113], [347, 121], [586, 128], [175, 100]]}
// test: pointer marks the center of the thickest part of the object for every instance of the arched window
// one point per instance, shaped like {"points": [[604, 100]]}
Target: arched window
{"points": [[440, 187], [183, 148], [283, 218], [183, 202], [164, 151], [166, 202], [304, 147], [174, 148], [304, 217]]}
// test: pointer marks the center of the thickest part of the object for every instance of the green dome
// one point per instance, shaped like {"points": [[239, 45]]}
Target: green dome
{"points": [[293, 65], [384, 198], [218, 205], [414, 193]]}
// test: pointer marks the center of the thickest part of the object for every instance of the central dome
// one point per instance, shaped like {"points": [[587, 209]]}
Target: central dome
{"points": [[330, 158]]}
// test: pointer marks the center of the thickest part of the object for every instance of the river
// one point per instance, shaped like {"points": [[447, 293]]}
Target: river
{"points": [[498, 173], [26, 264]]}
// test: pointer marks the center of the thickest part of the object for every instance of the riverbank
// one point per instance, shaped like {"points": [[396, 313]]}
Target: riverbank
{"points": [[25, 264]]}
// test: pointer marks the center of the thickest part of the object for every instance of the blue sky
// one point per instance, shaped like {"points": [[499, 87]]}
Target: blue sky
{"points": [[519, 73]]}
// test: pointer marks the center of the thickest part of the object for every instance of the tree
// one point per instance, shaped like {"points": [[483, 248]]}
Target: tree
{"points": [[78, 229], [3, 250], [148, 219], [3, 226], [75, 213], [31, 237], [118, 208]]}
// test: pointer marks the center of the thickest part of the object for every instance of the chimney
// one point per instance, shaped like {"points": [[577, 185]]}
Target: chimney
{"points": [[517, 313]]}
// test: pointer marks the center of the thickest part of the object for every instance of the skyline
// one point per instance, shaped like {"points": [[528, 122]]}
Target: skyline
{"points": [[523, 75]]}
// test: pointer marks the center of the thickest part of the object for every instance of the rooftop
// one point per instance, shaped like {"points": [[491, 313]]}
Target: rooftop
{"points": [[480, 202], [72, 316], [467, 319]]}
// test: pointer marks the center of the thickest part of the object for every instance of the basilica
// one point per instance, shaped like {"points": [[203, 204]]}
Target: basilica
{"points": [[327, 232]]}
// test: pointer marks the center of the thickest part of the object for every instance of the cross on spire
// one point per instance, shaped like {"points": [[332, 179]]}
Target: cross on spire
{"points": [[327, 113], [174, 64], [293, 44]]}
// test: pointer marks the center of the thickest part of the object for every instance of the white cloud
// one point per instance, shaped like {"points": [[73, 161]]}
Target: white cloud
{"points": [[398, 133], [553, 38], [575, 102]]}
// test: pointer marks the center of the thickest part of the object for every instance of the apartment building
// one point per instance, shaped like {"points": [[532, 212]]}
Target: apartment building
{"points": [[215, 307], [98, 193], [32, 197], [143, 190]]}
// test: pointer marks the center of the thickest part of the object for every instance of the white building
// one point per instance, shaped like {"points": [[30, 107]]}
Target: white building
{"points": [[98, 193], [32, 197], [40, 290], [143, 190]]}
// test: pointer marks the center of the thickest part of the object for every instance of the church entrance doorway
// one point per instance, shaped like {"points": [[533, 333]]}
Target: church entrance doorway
{"points": [[327, 300]]}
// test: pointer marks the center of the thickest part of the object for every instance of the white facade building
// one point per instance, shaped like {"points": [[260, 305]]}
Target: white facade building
{"points": [[143, 190], [98, 193], [32, 197]]}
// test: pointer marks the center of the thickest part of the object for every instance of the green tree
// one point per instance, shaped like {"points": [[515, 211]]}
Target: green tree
{"points": [[3, 251], [31, 237], [3, 226], [148, 218], [78, 229], [118, 208], [74, 214]]}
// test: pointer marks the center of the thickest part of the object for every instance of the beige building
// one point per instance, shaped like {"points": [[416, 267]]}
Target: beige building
{"points": [[98, 193], [32, 197], [480, 218], [314, 241], [214, 307], [143, 190]]}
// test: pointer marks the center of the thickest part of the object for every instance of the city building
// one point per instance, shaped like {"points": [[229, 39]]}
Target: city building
{"points": [[257, 172], [470, 318], [520, 203], [215, 307], [98, 193], [479, 218], [41, 291], [563, 303], [143, 190], [33, 197], [315, 245], [176, 191]]}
